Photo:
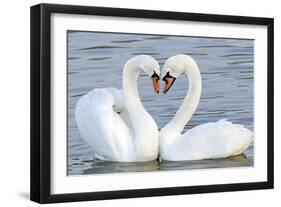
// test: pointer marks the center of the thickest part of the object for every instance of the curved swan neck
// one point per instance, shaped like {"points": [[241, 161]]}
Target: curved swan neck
{"points": [[131, 73], [144, 130], [191, 99]]}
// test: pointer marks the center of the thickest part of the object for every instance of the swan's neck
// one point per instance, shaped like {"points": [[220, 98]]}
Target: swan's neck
{"points": [[191, 99], [144, 130], [131, 95]]}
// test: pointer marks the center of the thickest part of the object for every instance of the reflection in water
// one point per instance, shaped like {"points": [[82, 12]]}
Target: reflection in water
{"points": [[96, 60], [235, 161], [99, 166]]}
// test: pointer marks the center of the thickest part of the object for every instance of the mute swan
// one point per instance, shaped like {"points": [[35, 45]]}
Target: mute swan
{"points": [[207, 141], [132, 135]]}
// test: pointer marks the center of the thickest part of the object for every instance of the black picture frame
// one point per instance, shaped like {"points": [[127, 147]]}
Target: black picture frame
{"points": [[40, 184]]}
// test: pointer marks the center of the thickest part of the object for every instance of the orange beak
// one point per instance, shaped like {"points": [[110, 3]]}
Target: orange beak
{"points": [[169, 82], [156, 84]]}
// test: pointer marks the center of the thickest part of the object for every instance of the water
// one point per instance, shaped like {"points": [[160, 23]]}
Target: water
{"points": [[96, 60]]}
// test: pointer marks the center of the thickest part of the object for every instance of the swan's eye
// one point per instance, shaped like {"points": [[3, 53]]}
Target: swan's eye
{"points": [[155, 76], [167, 76]]}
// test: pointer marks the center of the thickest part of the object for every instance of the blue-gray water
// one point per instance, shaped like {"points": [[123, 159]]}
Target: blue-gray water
{"points": [[96, 60]]}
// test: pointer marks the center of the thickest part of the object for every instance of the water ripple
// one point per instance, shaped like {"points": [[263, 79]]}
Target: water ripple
{"points": [[101, 47]]}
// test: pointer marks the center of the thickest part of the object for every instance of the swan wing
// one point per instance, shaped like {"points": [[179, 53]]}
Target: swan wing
{"points": [[101, 126], [211, 140], [236, 137]]}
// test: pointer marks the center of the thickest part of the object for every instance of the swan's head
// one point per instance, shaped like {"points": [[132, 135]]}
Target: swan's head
{"points": [[151, 67], [173, 67]]}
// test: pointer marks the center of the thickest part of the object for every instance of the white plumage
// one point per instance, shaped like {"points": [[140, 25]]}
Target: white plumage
{"points": [[101, 127], [207, 141], [114, 122]]}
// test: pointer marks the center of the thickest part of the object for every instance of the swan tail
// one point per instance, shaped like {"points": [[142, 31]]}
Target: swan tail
{"points": [[236, 137]]}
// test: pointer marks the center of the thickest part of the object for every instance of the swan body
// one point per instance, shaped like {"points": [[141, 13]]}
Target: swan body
{"points": [[114, 122], [207, 141]]}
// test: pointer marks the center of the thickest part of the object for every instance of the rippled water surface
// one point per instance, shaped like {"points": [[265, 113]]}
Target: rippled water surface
{"points": [[96, 60]]}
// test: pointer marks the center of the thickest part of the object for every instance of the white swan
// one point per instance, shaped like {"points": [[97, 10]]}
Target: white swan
{"points": [[207, 141], [132, 135]]}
